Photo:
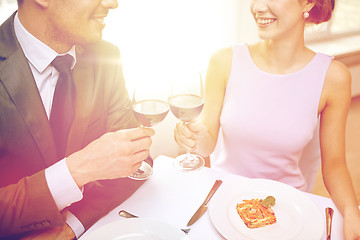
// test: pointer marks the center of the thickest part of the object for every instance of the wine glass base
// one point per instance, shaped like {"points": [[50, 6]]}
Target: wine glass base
{"points": [[181, 163], [143, 173]]}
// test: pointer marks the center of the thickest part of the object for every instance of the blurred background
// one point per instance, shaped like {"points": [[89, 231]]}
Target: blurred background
{"points": [[159, 39]]}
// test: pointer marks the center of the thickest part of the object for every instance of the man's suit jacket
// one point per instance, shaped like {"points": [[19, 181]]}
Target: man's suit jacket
{"points": [[27, 146]]}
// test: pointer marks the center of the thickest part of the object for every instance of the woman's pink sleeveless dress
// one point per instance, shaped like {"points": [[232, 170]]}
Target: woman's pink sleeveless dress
{"points": [[268, 119]]}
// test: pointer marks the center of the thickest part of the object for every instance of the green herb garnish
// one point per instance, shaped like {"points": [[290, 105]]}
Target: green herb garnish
{"points": [[268, 201]]}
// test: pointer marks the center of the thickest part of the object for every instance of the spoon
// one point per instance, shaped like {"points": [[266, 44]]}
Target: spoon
{"points": [[126, 214], [329, 213]]}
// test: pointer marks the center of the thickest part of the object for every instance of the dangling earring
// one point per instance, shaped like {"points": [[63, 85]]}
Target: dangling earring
{"points": [[306, 15]]}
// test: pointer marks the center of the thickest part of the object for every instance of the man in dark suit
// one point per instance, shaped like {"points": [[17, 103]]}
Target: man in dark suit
{"points": [[47, 191]]}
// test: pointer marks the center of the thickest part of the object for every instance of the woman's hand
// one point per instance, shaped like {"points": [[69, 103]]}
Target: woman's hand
{"points": [[188, 135], [352, 225]]}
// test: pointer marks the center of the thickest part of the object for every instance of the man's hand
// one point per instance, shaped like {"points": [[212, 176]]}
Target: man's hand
{"points": [[113, 155], [56, 233]]}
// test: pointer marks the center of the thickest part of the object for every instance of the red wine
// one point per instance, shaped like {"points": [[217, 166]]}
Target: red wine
{"points": [[150, 112], [186, 107]]}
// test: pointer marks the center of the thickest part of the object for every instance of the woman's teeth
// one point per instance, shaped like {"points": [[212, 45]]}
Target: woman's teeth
{"points": [[265, 21]]}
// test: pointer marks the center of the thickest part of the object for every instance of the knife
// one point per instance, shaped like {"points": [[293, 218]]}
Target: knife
{"points": [[202, 209]]}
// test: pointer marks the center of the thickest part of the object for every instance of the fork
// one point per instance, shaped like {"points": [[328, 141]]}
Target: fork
{"points": [[126, 214], [329, 214]]}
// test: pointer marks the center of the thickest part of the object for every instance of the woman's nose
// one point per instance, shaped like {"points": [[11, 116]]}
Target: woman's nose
{"points": [[258, 6]]}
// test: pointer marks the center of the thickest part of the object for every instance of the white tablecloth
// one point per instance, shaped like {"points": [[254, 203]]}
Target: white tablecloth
{"points": [[173, 196]]}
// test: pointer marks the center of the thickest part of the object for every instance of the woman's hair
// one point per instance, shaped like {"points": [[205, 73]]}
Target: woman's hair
{"points": [[321, 12]]}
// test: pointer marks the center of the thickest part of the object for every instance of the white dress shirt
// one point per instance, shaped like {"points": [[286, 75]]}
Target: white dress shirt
{"points": [[60, 182]]}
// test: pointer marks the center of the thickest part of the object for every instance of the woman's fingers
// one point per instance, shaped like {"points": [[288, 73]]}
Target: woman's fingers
{"points": [[184, 137]]}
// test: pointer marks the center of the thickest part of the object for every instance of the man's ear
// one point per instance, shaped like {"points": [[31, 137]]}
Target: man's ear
{"points": [[42, 3]]}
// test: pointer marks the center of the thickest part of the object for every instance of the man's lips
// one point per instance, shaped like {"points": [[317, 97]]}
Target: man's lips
{"points": [[99, 19]]}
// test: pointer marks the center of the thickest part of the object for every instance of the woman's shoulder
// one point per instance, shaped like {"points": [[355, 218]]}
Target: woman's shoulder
{"points": [[338, 74], [225, 55], [222, 55], [221, 61], [337, 85], [219, 68]]}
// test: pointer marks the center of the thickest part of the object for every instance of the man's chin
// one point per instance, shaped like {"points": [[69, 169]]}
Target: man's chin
{"points": [[91, 39]]}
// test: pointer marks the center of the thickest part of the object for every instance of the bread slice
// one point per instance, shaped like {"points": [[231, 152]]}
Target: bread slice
{"points": [[254, 214]]}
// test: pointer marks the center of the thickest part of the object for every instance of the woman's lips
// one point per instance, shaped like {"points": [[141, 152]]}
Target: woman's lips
{"points": [[263, 22]]}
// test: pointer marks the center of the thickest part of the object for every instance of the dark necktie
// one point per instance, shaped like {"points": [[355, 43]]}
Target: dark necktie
{"points": [[62, 111]]}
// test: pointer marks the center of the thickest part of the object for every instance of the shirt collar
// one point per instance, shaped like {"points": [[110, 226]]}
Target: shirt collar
{"points": [[38, 54]]}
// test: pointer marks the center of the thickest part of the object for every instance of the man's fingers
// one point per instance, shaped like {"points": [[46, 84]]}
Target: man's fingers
{"points": [[140, 156], [137, 133], [140, 144], [135, 166]]}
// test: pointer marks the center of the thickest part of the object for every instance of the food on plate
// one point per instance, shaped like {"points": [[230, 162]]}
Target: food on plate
{"points": [[257, 213], [268, 201]]}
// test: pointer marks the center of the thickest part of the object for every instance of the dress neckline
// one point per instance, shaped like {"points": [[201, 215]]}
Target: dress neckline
{"points": [[278, 74]]}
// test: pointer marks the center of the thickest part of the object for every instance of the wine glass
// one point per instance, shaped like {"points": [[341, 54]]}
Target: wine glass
{"points": [[186, 102], [150, 107]]}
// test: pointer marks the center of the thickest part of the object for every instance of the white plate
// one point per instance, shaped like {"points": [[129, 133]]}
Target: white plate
{"points": [[136, 229], [297, 216]]}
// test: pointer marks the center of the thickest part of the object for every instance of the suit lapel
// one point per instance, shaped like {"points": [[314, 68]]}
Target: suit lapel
{"points": [[18, 80], [20, 84]]}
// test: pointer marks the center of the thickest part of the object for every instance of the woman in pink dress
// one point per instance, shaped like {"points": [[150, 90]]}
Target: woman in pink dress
{"points": [[267, 100]]}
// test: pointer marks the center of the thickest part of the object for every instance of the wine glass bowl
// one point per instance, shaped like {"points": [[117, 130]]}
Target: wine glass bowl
{"points": [[186, 103], [150, 107], [186, 107], [150, 112]]}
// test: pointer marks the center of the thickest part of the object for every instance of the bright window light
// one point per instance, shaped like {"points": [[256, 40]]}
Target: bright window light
{"points": [[164, 37], [161, 38]]}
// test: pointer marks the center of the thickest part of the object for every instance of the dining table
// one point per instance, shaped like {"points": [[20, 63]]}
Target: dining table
{"points": [[173, 196]]}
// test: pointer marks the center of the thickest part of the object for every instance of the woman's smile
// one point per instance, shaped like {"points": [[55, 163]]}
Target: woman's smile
{"points": [[264, 22]]}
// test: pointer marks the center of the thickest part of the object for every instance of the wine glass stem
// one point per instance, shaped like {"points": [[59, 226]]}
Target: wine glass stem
{"points": [[139, 171], [189, 157]]}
